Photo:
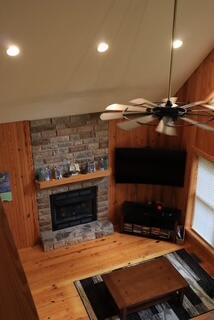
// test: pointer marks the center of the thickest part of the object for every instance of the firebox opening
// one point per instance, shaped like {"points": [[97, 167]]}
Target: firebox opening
{"points": [[73, 208]]}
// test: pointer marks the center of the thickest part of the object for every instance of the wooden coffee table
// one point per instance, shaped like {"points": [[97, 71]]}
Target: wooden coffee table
{"points": [[141, 286]]}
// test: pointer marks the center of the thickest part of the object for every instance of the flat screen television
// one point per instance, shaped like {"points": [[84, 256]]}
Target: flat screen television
{"points": [[150, 166]]}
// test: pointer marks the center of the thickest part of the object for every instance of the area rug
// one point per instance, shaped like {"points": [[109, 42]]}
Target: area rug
{"points": [[198, 298]]}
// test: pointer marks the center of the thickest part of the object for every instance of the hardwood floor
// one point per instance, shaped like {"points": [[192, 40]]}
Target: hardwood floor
{"points": [[51, 274]]}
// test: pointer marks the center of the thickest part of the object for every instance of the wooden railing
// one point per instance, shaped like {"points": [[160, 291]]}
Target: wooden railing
{"points": [[16, 302]]}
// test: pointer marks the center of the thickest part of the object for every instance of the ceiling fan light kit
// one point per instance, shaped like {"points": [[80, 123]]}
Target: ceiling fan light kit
{"points": [[167, 112]]}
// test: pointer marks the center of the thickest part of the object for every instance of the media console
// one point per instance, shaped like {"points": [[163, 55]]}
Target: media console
{"points": [[151, 220]]}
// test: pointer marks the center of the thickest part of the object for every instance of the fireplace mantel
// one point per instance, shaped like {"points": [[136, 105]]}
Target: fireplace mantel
{"points": [[41, 185]]}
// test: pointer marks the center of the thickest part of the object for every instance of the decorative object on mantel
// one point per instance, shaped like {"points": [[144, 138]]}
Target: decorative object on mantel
{"points": [[91, 167], [169, 112], [70, 169], [5, 187], [47, 174], [103, 163], [57, 173]]}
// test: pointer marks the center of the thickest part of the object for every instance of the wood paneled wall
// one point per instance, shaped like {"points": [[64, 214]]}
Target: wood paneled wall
{"points": [[16, 159], [198, 87]]}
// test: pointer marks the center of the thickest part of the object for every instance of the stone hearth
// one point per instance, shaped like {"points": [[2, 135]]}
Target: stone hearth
{"points": [[73, 235]]}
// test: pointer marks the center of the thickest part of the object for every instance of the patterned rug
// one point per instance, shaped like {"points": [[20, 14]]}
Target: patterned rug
{"points": [[198, 298]]}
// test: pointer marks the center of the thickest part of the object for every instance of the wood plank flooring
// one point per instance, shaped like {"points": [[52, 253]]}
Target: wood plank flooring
{"points": [[51, 274]]}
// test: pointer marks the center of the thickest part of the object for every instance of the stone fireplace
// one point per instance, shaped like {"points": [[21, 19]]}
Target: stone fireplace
{"points": [[54, 229], [75, 212]]}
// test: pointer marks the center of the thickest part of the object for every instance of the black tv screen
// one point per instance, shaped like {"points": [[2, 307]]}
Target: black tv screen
{"points": [[150, 166]]}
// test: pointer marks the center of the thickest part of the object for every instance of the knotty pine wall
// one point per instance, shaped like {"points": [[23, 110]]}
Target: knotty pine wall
{"points": [[16, 159], [199, 86]]}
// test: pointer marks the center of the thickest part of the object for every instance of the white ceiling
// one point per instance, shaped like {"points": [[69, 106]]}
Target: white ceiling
{"points": [[59, 71]]}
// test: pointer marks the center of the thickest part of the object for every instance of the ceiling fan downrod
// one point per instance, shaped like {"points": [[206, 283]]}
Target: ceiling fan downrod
{"points": [[171, 53]]}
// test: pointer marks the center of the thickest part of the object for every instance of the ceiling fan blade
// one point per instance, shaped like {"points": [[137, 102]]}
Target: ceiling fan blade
{"points": [[208, 106], [145, 119], [206, 103], [189, 111], [140, 101], [124, 107], [210, 98], [160, 126], [194, 104], [197, 124], [172, 99], [166, 126], [111, 115], [135, 123]]}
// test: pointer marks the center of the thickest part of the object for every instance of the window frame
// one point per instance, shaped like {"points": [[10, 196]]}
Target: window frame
{"points": [[196, 154]]}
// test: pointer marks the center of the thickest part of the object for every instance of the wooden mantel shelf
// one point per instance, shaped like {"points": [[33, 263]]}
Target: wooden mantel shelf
{"points": [[41, 185]]}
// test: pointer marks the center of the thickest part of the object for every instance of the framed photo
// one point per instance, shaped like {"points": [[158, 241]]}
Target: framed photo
{"points": [[5, 187]]}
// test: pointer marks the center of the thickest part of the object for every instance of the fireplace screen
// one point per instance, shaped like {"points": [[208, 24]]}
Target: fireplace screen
{"points": [[73, 208]]}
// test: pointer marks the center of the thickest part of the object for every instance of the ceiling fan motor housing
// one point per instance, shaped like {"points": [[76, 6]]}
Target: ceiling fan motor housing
{"points": [[170, 112]]}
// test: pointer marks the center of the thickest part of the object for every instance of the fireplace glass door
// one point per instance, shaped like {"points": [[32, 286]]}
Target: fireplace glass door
{"points": [[73, 208]]}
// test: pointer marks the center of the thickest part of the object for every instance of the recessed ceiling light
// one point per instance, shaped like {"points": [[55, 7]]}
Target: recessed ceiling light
{"points": [[177, 43], [102, 47], [13, 51]]}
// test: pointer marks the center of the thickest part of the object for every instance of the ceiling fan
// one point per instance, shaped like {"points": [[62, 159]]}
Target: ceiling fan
{"points": [[169, 112]]}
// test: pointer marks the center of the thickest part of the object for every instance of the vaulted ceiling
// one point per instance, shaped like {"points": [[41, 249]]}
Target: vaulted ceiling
{"points": [[59, 72]]}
